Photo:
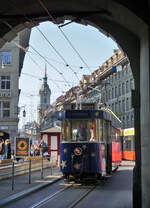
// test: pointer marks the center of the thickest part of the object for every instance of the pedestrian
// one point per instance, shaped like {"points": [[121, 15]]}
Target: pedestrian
{"points": [[2, 149], [37, 150], [7, 149], [32, 150]]}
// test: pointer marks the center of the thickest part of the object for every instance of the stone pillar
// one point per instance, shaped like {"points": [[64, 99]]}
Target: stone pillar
{"points": [[137, 169], [136, 103], [145, 117]]}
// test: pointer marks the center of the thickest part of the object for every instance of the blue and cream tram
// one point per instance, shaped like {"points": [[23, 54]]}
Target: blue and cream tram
{"points": [[90, 144]]}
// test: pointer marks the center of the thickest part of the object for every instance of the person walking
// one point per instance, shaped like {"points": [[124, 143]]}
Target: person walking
{"points": [[7, 149], [2, 149]]}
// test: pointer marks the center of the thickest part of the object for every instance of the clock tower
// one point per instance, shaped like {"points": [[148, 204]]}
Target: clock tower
{"points": [[44, 94]]}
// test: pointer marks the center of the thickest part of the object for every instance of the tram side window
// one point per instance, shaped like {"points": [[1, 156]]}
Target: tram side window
{"points": [[106, 133], [128, 145], [100, 130], [65, 130], [115, 134]]}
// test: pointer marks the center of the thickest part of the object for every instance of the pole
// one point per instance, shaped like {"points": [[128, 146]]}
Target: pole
{"points": [[13, 167], [29, 171], [42, 168]]}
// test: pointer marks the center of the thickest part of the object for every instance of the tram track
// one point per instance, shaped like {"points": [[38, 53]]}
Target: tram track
{"points": [[50, 197], [76, 202], [58, 195]]}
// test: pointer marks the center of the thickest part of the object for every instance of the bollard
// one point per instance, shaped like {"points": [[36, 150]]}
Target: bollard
{"points": [[52, 168], [29, 171], [42, 168], [13, 168]]}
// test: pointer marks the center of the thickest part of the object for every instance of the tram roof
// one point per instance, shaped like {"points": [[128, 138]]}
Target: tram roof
{"points": [[105, 114]]}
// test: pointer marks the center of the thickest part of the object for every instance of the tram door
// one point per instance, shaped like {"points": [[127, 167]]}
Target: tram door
{"points": [[54, 148]]}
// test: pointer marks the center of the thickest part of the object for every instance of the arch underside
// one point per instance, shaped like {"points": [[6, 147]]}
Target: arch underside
{"points": [[123, 21]]}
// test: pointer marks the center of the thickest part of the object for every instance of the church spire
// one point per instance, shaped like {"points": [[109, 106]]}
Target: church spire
{"points": [[44, 94], [45, 70], [45, 77]]}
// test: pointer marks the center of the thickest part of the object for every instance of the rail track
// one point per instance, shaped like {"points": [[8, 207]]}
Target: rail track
{"points": [[69, 189]]}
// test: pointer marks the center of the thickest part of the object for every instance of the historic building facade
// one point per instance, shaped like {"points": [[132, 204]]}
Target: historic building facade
{"points": [[11, 62], [110, 85]]}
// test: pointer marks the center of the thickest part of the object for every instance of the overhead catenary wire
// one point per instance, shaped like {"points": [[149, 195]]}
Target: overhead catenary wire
{"points": [[71, 65], [50, 65], [22, 48], [51, 17], [30, 20], [58, 53], [36, 77], [72, 46]]}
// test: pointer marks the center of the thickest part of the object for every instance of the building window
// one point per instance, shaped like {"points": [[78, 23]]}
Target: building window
{"points": [[123, 105], [112, 92], [113, 107], [131, 84], [103, 96], [4, 109], [106, 95], [119, 106], [127, 104], [116, 91], [123, 88], [132, 120], [127, 86], [6, 57], [128, 124], [119, 90], [5, 82], [45, 100], [116, 107]]}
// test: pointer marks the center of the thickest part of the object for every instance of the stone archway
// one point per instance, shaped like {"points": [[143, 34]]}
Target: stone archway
{"points": [[127, 25]]}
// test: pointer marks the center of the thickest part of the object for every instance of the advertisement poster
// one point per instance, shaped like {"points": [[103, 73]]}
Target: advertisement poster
{"points": [[22, 146], [103, 158]]}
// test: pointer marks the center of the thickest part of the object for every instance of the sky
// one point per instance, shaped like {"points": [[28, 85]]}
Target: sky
{"points": [[93, 47]]}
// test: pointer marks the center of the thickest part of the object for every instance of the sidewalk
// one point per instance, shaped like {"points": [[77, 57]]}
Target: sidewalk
{"points": [[22, 186]]}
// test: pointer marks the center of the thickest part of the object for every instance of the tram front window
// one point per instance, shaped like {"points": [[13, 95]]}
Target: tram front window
{"points": [[81, 131]]}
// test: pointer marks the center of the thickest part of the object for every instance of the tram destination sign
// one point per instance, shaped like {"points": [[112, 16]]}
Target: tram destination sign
{"points": [[83, 114]]}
